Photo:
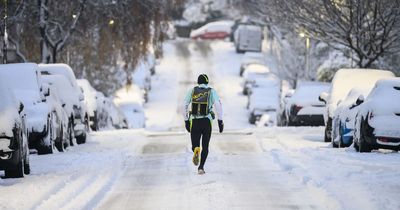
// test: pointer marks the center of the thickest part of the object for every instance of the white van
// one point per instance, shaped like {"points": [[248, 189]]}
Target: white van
{"points": [[248, 38]]}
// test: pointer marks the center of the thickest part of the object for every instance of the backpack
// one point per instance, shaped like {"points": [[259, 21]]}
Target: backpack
{"points": [[200, 101]]}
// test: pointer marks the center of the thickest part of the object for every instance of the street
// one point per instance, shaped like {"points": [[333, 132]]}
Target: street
{"points": [[247, 168]]}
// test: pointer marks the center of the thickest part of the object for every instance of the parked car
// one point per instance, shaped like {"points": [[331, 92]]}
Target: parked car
{"points": [[213, 30], [116, 117], [343, 81], [264, 100], [69, 100], [130, 101], [251, 58], [61, 132], [24, 80], [253, 72], [378, 118], [303, 107], [344, 116], [80, 115], [91, 103], [14, 150], [248, 38]]}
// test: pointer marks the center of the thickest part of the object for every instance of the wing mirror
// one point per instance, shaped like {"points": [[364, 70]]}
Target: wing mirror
{"points": [[323, 97], [63, 105], [21, 108], [360, 100], [46, 90]]}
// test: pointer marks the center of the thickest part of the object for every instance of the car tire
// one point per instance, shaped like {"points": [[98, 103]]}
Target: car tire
{"points": [[45, 149], [363, 146], [81, 139], [328, 131], [27, 166], [17, 172]]}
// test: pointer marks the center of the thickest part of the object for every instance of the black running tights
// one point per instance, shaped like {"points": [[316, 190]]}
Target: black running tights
{"points": [[201, 129]]}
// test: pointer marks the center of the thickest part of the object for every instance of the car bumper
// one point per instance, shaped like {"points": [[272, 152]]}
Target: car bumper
{"points": [[389, 138]]}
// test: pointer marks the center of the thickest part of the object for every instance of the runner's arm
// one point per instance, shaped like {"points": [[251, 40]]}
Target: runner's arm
{"points": [[217, 104], [186, 103]]}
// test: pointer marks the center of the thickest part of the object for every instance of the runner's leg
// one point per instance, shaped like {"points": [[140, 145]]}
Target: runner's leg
{"points": [[206, 131]]}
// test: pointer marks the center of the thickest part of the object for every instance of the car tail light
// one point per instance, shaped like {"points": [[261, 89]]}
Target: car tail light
{"points": [[297, 108]]}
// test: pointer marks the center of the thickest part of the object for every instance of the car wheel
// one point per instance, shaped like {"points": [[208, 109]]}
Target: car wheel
{"points": [[60, 145], [27, 167], [328, 131], [363, 146], [81, 139], [18, 170]]}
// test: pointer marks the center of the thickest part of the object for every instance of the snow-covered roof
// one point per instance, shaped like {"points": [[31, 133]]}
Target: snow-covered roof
{"points": [[307, 93], [384, 99], [60, 69], [64, 89], [22, 78], [346, 79]]}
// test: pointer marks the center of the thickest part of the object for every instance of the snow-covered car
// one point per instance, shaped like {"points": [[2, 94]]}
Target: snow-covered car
{"points": [[14, 151], [344, 116], [248, 38], [81, 117], [91, 103], [377, 124], [343, 81], [303, 107], [116, 117], [251, 58], [130, 101], [24, 80], [62, 133], [69, 100], [102, 110], [213, 30], [264, 100], [251, 74]]}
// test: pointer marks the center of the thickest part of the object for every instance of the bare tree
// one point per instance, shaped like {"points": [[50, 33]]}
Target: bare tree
{"points": [[369, 28]]}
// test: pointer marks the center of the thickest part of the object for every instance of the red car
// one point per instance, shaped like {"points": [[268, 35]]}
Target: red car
{"points": [[214, 30]]}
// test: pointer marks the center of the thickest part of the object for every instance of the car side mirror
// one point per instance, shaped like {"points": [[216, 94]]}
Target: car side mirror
{"points": [[323, 97], [46, 90], [360, 100], [63, 105], [21, 108]]}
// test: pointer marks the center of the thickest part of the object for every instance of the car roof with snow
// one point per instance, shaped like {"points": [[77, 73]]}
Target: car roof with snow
{"points": [[307, 93], [384, 99], [7, 96], [346, 79], [59, 69], [23, 79], [64, 88], [225, 26]]}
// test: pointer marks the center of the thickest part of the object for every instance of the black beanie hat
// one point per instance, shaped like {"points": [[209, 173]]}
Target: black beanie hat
{"points": [[202, 79]]}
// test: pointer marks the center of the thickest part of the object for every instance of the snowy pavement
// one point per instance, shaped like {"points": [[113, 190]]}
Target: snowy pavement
{"points": [[247, 168]]}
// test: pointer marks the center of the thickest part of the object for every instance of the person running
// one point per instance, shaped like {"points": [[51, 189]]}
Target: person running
{"points": [[199, 118]]}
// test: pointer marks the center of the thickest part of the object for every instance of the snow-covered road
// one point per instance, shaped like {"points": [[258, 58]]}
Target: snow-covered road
{"points": [[247, 168]]}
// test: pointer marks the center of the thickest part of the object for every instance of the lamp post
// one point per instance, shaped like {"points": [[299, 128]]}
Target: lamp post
{"points": [[306, 56]]}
